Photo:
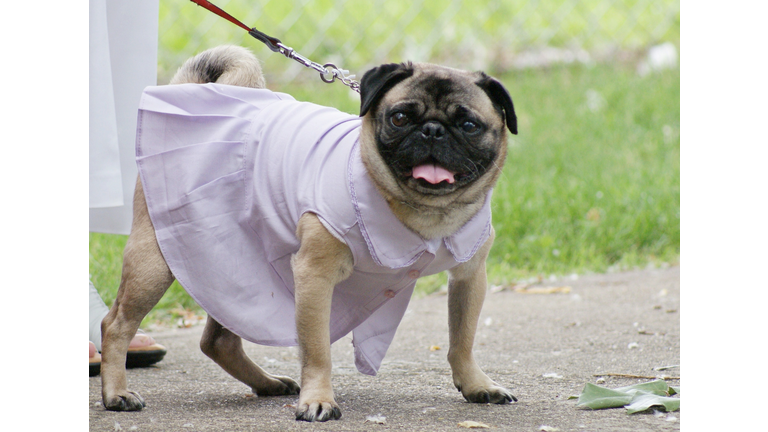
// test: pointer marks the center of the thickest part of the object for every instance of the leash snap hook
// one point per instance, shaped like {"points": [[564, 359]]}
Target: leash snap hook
{"points": [[329, 75], [328, 72]]}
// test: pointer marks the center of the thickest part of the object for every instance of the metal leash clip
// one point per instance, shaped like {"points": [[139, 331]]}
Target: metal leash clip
{"points": [[340, 74], [328, 72]]}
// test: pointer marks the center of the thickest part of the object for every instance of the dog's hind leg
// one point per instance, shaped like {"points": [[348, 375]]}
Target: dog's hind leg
{"points": [[226, 349], [145, 279]]}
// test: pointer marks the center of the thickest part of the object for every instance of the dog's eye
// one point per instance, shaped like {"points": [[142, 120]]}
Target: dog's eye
{"points": [[399, 119], [469, 127]]}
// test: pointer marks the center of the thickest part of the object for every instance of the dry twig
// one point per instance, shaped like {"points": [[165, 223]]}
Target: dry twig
{"points": [[664, 377]]}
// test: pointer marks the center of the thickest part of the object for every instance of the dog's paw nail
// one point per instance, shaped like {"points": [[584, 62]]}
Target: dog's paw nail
{"points": [[304, 413], [318, 412], [496, 395], [291, 387], [128, 402]]}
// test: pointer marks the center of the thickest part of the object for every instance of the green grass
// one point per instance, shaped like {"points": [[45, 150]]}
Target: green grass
{"points": [[589, 188], [361, 33], [105, 260], [591, 182]]}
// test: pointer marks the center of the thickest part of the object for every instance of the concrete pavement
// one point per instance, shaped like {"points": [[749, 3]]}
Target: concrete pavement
{"points": [[544, 347]]}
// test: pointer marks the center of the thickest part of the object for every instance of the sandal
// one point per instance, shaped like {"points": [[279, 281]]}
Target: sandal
{"points": [[94, 360], [143, 351]]}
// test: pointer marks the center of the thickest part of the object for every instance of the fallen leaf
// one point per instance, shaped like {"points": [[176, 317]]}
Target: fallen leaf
{"points": [[642, 402], [657, 387], [636, 398], [596, 397], [497, 288], [469, 424], [378, 419], [434, 348], [543, 290], [593, 214], [188, 317]]}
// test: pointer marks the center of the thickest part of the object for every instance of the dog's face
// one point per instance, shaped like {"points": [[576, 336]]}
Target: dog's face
{"points": [[431, 133]]}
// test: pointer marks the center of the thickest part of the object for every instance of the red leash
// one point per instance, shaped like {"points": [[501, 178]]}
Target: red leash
{"points": [[273, 43], [215, 9], [328, 72]]}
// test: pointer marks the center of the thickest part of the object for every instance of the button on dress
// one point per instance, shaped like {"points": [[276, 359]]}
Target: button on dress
{"points": [[228, 171]]}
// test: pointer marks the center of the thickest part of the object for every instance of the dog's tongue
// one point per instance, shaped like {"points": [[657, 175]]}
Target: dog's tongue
{"points": [[433, 173]]}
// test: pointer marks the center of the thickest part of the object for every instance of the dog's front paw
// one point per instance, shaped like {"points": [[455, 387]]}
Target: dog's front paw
{"points": [[493, 394], [317, 409], [128, 401], [278, 386]]}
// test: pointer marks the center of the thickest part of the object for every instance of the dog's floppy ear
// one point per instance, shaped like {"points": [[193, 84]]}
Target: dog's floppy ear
{"points": [[377, 81], [499, 96]]}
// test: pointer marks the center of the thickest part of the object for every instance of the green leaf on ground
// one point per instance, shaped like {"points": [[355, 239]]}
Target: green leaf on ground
{"points": [[657, 387], [635, 398], [596, 397], [642, 402]]}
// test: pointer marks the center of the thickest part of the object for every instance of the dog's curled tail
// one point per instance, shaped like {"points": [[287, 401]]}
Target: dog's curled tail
{"points": [[226, 64]]}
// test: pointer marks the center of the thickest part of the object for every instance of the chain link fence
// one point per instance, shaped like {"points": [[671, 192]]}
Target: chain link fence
{"points": [[492, 35]]}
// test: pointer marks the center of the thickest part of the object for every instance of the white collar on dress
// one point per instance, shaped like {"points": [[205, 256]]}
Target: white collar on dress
{"points": [[379, 225]]}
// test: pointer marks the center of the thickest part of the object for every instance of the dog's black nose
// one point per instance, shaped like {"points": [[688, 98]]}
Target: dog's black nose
{"points": [[433, 129]]}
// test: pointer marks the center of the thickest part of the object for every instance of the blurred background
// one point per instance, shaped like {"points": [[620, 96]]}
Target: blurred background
{"points": [[491, 35], [592, 180]]}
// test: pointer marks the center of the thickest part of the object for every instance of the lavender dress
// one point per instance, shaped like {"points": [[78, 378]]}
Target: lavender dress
{"points": [[228, 171]]}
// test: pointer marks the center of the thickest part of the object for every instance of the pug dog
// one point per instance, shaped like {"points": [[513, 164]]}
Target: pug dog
{"points": [[295, 224]]}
